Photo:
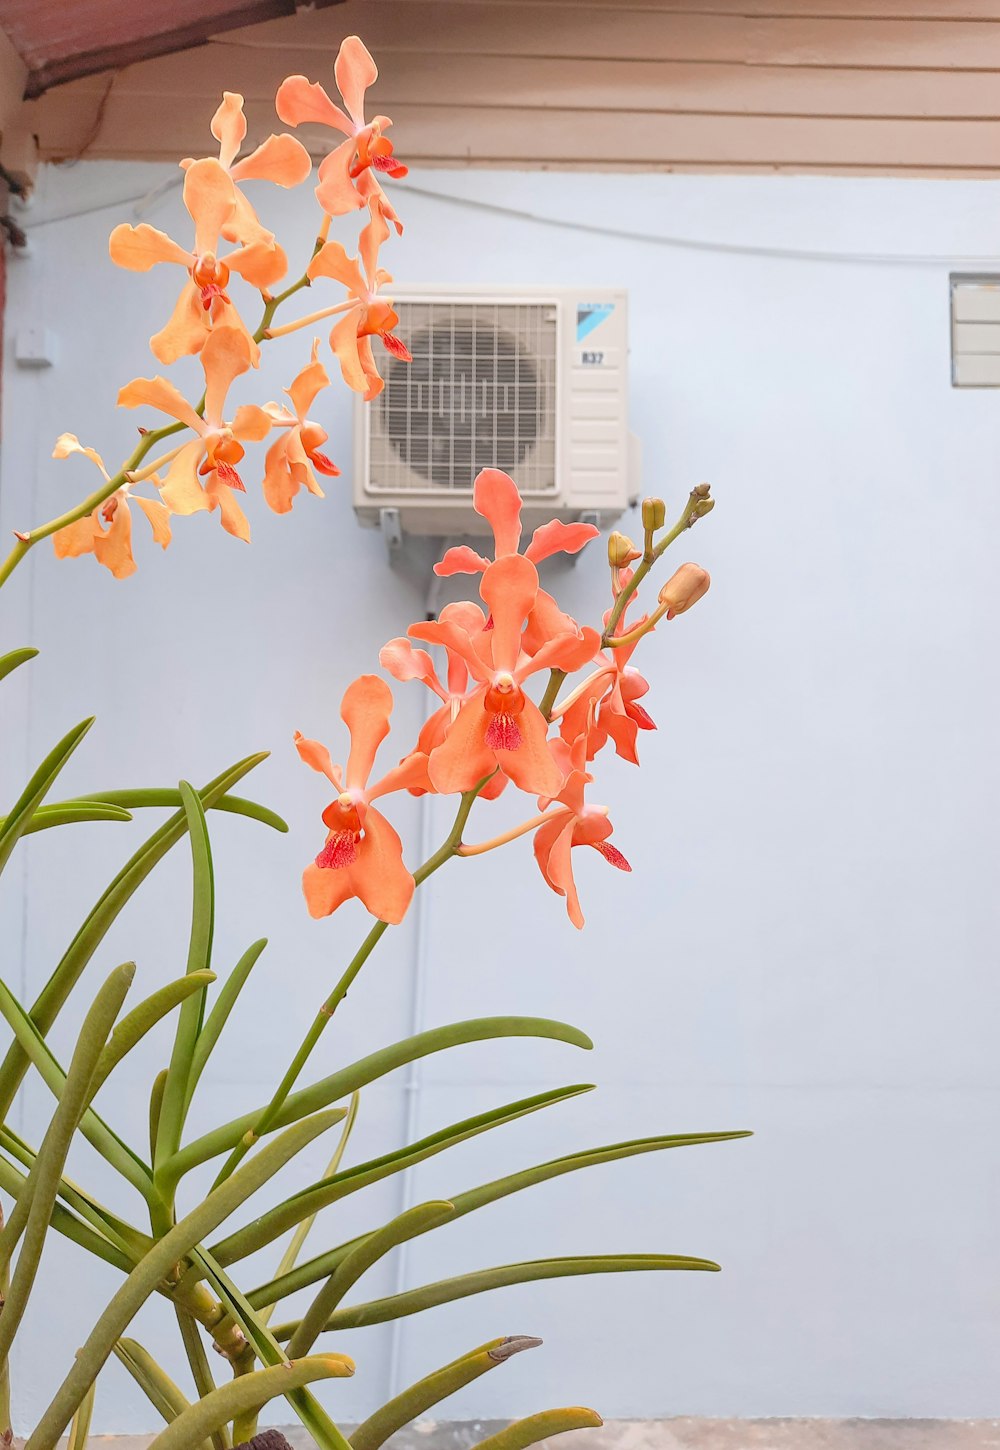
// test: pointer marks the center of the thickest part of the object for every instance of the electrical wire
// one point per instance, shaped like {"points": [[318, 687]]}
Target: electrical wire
{"points": [[143, 201]]}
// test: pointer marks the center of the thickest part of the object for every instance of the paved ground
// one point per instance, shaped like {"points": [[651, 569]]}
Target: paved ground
{"points": [[687, 1434]]}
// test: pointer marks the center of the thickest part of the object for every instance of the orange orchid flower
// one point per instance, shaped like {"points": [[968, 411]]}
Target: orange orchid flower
{"points": [[406, 663], [498, 725], [606, 706], [293, 456], [107, 532], [281, 159], [204, 303], [574, 824], [346, 176], [362, 855], [217, 448], [495, 497], [367, 315]]}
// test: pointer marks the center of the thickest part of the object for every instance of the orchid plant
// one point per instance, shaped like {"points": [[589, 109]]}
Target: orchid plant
{"points": [[487, 735]]}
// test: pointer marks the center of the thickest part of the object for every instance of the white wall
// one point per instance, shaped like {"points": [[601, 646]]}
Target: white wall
{"points": [[807, 945]]}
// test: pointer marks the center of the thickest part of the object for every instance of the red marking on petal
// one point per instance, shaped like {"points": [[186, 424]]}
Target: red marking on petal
{"points": [[612, 854], [209, 294], [228, 475], [641, 717], [396, 346], [489, 624], [389, 165], [322, 464], [503, 733], [341, 849]]}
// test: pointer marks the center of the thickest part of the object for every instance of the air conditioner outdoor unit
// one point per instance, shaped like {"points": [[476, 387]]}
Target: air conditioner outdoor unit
{"points": [[530, 380]]}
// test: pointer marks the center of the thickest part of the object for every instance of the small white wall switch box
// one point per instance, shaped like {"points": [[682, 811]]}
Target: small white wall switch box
{"points": [[34, 347]]}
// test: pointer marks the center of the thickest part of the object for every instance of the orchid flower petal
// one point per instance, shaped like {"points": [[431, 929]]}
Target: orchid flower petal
{"points": [[365, 710], [300, 101], [229, 127]]}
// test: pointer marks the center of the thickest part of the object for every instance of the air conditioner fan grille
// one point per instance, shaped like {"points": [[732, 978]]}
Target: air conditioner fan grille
{"points": [[479, 393]]}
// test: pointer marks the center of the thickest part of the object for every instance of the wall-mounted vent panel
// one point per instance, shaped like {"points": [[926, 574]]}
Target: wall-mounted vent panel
{"points": [[975, 331], [532, 381]]}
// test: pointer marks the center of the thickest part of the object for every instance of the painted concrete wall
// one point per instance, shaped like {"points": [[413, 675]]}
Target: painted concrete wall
{"points": [[807, 944]]}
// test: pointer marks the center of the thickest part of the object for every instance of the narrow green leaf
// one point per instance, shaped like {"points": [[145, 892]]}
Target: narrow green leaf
{"points": [[414, 1402], [38, 787], [468, 1202], [142, 1019], [64, 815], [309, 1201], [166, 1398], [368, 1069], [176, 1096], [374, 1246], [13, 1182], [201, 1371], [132, 1242], [134, 800], [429, 1391], [97, 923], [34, 1208], [155, 1103], [444, 1291], [91, 1125], [248, 1392], [290, 1257], [80, 1428], [219, 1014], [324, 1431], [535, 1428], [166, 1253], [10, 662]]}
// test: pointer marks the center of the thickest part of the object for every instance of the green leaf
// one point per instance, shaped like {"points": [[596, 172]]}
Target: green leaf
{"points": [[165, 1397], [157, 1265], [68, 815], [98, 922], [316, 1420], [130, 1240], [80, 1428], [422, 1396], [38, 787], [219, 1014], [248, 1392], [12, 1181], [176, 1092], [535, 1428], [290, 1257], [142, 1019], [93, 1127], [10, 662], [309, 1201], [368, 1069], [134, 800], [474, 1198], [374, 1246], [445, 1291], [33, 1209]]}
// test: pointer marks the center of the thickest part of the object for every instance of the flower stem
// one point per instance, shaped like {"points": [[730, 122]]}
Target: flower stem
{"points": [[511, 835], [448, 848]]}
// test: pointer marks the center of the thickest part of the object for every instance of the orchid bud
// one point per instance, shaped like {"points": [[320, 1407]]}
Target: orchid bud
{"points": [[621, 550], [684, 588], [654, 514], [700, 503]]}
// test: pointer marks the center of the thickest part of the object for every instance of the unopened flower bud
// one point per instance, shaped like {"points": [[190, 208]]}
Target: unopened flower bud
{"points": [[684, 588], [654, 514], [701, 502], [621, 550]]}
